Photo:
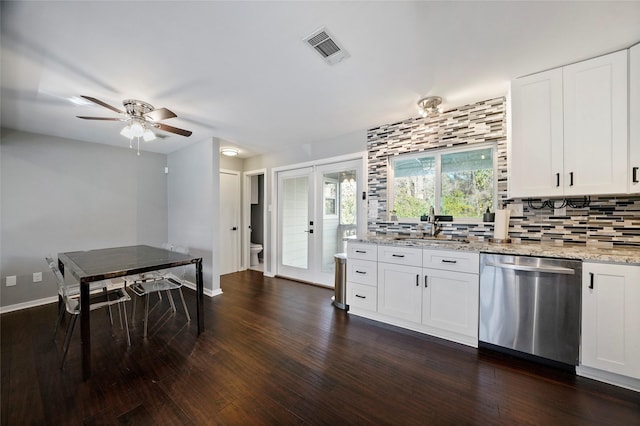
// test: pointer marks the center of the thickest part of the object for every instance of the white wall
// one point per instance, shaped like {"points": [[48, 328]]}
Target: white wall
{"points": [[62, 195], [193, 210]]}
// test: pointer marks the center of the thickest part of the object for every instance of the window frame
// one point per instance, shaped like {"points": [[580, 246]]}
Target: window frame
{"points": [[437, 154]]}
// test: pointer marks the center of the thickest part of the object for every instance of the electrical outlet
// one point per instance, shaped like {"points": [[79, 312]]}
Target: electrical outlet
{"points": [[37, 277], [560, 212], [11, 280]]}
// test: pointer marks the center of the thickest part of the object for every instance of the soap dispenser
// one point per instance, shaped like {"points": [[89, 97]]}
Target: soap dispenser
{"points": [[488, 216]]}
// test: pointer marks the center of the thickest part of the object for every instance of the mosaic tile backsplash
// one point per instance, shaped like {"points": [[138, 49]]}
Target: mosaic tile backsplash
{"points": [[606, 221]]}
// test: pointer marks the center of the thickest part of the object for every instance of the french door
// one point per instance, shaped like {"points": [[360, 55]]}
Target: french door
{"points": [[318, 207]]}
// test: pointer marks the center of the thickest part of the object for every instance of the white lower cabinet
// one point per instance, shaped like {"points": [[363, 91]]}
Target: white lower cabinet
{"points": [[450, 301], [611, 321], [427, 290], [399, 291]]}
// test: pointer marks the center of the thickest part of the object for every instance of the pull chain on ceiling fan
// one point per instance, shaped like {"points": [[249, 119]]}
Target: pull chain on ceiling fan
{"points": [[140, 118]]}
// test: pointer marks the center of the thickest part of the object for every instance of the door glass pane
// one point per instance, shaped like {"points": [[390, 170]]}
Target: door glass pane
{"points": [[295, 222], [339, 215]]}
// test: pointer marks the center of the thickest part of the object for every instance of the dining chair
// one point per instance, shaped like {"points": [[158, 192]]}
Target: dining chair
{"points": [[165, 280], [70, 295]]}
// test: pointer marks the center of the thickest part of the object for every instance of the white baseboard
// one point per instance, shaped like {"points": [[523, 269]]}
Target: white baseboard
{"points": [[29, 304], [54, 299], [611, 378]]}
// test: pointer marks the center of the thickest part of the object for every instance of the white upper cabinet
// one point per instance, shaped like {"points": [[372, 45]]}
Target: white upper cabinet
{"points": [[569, 133], [595, 94], [634, 119], [536, 167]]}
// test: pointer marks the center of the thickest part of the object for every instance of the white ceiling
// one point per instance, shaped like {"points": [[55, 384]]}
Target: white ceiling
{"points": [[240, 71]]}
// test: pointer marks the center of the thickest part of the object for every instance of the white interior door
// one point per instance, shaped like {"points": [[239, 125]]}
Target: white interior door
{"points": [[295, 207], [318, 207], [229, 221]]}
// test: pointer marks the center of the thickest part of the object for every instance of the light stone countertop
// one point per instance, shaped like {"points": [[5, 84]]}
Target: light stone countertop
{"points": [[629, 255]]}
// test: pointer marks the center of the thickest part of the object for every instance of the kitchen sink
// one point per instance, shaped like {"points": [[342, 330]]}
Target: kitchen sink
{"points": [[433, 240]]}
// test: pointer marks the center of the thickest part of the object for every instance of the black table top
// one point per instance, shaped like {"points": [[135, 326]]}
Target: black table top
{"points": [[101, 264]]}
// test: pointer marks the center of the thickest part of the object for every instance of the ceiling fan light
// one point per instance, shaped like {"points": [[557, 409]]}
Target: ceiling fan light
{"points": [[148, 135], [136, 129], [126, 132]]}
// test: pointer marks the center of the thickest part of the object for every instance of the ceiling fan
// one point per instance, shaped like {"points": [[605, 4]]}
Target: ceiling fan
{"points": [[140, 117]]}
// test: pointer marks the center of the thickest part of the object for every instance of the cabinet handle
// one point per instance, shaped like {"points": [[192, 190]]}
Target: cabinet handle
{"points": [[425, 282], [449, 261], [361, 297], [361, 272], [360, 251], [570, 178], [591, 280], [557, 180], [635, 174], [417, 280], [397, 255]]}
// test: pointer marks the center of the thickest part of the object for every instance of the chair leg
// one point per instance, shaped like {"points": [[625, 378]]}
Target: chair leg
{"points": [[184, 305], [59, 320], [104, 291], [133, 309], [170, 297], [67, 340], [124, 308], [146, 314]]}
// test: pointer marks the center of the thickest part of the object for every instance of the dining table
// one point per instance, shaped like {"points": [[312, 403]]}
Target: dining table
{"points": [[85, 267]]}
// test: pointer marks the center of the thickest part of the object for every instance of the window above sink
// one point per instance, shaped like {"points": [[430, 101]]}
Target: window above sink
{"points": [[456, 182]]}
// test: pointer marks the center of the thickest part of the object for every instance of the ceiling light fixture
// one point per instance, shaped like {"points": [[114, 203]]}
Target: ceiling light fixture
{"points": [[229, 152], [429, 106]]}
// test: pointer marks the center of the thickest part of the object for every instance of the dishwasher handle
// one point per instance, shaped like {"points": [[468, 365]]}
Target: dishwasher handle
{"points": [[527, 268]]}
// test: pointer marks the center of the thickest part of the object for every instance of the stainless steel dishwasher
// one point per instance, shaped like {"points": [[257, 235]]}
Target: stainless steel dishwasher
{"points": [[531, 305]]}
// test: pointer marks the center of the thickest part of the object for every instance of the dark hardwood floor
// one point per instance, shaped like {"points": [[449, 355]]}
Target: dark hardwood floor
{"points": [[277, 352]]}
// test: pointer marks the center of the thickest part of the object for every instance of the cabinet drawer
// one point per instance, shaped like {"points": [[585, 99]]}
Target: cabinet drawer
{"points": [[362, 271], [451, 260], [362, 251], [400, 255], [362, 296]]}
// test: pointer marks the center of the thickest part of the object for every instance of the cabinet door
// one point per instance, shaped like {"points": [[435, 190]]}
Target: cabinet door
{"points": [[634, 119], [450, 301], [595, 125], [535, 145], [399, 291], [611, 318]]}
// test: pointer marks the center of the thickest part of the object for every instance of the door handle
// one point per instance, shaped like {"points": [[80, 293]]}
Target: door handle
{"points": [[235, 228]]}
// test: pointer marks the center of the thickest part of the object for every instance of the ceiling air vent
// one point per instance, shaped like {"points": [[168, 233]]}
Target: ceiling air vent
{"points": [[325, 44]]}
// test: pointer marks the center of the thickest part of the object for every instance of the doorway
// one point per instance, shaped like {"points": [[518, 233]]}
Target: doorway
{"points": [[255, 220], [318, 208], [229, 221]]}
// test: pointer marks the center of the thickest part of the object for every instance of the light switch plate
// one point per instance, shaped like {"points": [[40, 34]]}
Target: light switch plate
{"points": [[515, 209], [37, 277], [11, 280]]}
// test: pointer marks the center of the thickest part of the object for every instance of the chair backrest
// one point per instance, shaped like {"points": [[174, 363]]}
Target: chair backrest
{"points": [[53, 265]]}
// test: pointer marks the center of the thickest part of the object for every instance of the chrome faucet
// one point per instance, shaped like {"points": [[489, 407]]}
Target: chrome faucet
{"points": [[434, 229]]}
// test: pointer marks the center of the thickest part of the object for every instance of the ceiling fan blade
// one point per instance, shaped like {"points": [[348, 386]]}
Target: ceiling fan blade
{"points": [[172, 129], [160, 114], [100, 118], [99, 102]]}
